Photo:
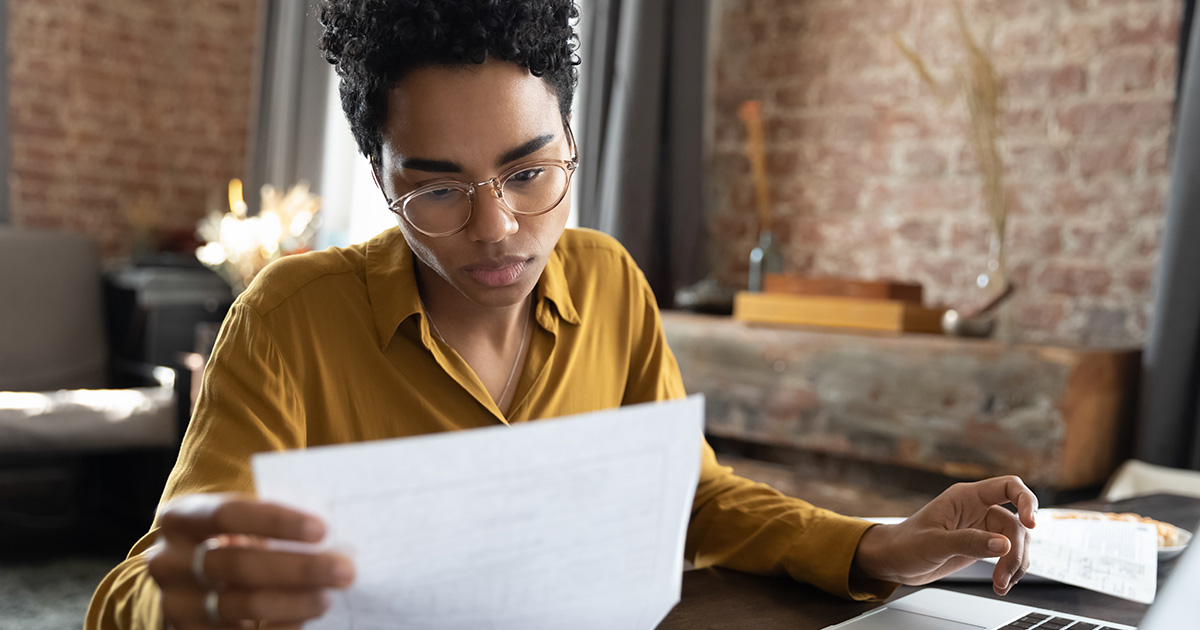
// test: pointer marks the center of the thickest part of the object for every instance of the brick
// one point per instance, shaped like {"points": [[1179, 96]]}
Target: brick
{"points": [[1093, 240], [1040, 84], [1039, 238], [1035, 159], [965, 162], [787, 64], [1021, 197], [832, 159], [734, 226], [1147, 242], [884, 18], [1127, 72], [1018, 121], [782, 162], [881, 161], [1138, 281], [1075, 281], [794, 96], [846, 127], [839, 91], [1045, 315], [1106, 158], [1139, 203], [1166, 69], [891, 123], [1022, 39], [1073, 198], [147, 102], [924, 196], [920, 233], [1117, 118], [970, 236], [1012, 9], [862, 54], [1104, 325], [922, 161], [1143, 27]]}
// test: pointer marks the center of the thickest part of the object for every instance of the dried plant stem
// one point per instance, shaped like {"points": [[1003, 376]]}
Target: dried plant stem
{"points": [[918, 64], [751, 114], [982, 89]]}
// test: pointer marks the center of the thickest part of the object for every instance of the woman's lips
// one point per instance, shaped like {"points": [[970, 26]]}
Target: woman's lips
{"points": [[498, 273]]}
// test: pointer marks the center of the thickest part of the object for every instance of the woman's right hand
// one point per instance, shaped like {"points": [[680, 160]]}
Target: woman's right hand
{"points": [[218, 568]]}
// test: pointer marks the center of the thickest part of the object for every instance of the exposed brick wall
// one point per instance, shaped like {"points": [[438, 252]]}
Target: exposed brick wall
{"points": [[873, 178], [121, 103]]}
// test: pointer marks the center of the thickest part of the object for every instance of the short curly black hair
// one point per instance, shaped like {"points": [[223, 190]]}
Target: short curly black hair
{"points": [[375, 43]]}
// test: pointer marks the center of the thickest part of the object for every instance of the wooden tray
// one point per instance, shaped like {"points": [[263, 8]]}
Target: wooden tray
{"points": [[834, 287], [836, 312]]}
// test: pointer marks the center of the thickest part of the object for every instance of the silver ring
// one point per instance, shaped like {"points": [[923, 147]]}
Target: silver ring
{"points": [[212, 602], [198, 554]]}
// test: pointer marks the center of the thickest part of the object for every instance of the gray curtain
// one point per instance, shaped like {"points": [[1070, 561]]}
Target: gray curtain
{"points": [[5, 144], [287, 125], [644, 63], [1169, 430]]}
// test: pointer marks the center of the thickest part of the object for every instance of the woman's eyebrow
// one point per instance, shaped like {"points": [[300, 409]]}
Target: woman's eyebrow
{"points": [[525, 149], [431, 166], [446, 166]]}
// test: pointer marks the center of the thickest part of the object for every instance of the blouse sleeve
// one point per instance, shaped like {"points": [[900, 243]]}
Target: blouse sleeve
{"points": [[247, 404]]}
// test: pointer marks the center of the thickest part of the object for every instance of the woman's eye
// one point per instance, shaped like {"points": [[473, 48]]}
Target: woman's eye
{"points": [[528, 174], [440, 192]]}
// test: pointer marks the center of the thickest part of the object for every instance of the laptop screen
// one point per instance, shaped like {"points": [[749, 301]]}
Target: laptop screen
{"points": [[1177, 605]]}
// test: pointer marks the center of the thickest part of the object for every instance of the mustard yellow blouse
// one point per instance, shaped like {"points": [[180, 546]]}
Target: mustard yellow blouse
{"points": [[333, 347]]}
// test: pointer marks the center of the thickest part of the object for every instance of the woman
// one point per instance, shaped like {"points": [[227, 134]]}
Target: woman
{"points": [[479, 308]]}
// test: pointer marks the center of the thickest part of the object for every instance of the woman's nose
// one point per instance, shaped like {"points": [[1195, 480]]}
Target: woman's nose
{"points": [[491, 220]]}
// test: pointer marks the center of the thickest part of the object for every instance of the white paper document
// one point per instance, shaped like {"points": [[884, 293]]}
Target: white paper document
{"points": [[571, 523], [1113, 557]]}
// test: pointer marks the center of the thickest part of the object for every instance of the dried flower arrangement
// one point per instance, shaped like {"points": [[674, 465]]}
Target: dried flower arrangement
{"points": [[982, 89], [238, 246]]}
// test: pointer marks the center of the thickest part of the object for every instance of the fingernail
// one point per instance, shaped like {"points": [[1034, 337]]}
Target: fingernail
{"points": [[313, 529], [342, 570], [997, 545], [1004, 582], [1033, 517]]}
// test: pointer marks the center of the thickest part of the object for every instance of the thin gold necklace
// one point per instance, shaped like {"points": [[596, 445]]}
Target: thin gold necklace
{"points": [[520, 349]]}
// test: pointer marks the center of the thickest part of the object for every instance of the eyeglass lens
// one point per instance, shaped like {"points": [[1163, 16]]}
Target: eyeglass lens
{"points": [[529, 191]]}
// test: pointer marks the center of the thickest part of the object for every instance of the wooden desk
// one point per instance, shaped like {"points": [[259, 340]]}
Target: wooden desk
{"points": [[719, 598]]}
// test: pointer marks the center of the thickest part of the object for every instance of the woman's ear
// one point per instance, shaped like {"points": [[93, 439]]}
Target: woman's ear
{"points": [[375, 175]]}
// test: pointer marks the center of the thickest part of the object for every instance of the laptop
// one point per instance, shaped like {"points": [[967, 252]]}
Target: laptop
{"points": [[1176, 607]]}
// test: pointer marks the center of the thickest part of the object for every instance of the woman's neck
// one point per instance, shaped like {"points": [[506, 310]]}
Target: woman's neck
{"points": [[457, 318]]}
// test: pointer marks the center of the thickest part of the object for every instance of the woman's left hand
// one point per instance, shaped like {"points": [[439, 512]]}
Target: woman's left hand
{"points": [[965, 523]]}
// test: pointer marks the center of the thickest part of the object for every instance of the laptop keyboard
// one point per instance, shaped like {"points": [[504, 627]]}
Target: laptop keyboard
{"points": [[1038, 621]]}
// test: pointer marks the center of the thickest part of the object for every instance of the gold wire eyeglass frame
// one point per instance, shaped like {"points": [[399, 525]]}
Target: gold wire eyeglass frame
{"points": [[497, 189]]}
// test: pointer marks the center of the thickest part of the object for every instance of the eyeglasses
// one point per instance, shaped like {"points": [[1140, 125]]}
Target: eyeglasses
{"points": [[444, 207]]}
